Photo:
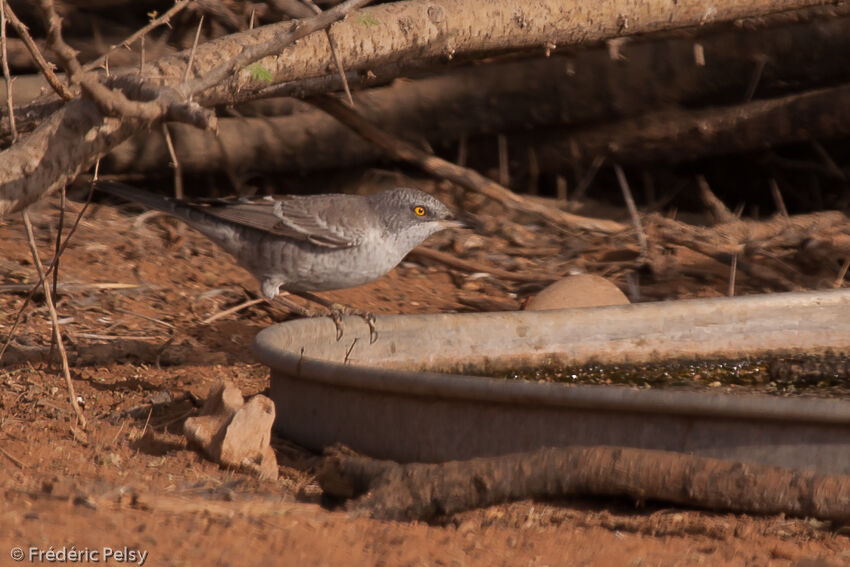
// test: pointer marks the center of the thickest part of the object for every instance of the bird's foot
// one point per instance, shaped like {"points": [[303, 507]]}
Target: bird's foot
{"points": [[337, 310], [296, 308]]}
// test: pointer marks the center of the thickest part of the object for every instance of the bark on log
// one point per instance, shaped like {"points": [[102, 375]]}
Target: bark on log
{"points": [[42, 161], [419, 491], [679, 135], [584, 88]]}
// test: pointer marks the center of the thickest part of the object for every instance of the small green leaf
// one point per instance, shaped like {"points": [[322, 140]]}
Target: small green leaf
{"points": [[367, 20], [260, 73]]}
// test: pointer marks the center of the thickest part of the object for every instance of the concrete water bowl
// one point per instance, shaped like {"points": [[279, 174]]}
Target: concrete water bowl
{"points": [[395, 399]]}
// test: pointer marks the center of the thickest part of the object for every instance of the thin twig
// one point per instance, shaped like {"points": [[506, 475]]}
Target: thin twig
{"points": [[52, 263], [587, 178], [6, 74], [55, 262], [504, 168], [192, 53], [114, 102], [175, 163], [462, 151], [733, 271], [256, 52], [68, 287], [232, 310], [46, 68], [827, 160], [147, 421], [633, 212], [335, 52], [718, 208], [19, 463], [777, 198], [57, 335], [66, 54], [842, 273], [140, 33], [58, 247], [755, 78], [120, 429], [99, 337], [561, 188]]}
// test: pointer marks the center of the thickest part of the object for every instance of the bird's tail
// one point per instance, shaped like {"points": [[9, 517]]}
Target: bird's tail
{"points": [[220, 231]]}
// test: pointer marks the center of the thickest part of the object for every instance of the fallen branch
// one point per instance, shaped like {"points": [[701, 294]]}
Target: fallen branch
{"points": [[165, 18], [57, 334], [10, 106], [741, 240], [417, 491], [476, 100], [63, 146], [682, 135], [46, 68], [465, 177], [70, 141]]}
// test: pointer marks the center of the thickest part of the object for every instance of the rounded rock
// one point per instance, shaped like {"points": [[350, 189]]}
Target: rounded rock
{"points": [[582, 290]]}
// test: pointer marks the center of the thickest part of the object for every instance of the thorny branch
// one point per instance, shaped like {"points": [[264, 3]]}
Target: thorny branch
{"points": [[46, 68], [164, 19]]}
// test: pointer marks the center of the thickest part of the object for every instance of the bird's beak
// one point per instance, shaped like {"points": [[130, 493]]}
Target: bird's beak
{"points": [[454, 223]]}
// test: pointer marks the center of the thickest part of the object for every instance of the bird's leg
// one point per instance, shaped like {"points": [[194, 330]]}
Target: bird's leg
{"points": [[337, 310], [294, 307]]}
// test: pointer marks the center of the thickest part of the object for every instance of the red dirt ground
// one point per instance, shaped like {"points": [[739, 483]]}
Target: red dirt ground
{"points": [[129, 479]]}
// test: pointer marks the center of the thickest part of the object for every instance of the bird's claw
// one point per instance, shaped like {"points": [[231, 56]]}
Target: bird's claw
{"points": [[336, 316], [373, 330], [337, 311]]}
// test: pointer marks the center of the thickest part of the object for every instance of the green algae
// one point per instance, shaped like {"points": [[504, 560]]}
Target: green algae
{"points": [[821, 375]]}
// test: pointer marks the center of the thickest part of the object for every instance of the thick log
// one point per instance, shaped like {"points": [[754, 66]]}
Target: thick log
{"points": [[680, 135], [44, 160], [584, 88], [419, 491]]}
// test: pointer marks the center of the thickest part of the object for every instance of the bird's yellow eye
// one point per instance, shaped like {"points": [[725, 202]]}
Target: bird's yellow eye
{"points": [[420, 211]]}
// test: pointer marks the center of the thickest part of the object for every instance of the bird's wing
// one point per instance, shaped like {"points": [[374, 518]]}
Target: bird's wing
{"points": [[320, 221]]}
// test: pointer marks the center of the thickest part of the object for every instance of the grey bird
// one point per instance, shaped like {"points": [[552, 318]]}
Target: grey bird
{"points": [[302, 244]]}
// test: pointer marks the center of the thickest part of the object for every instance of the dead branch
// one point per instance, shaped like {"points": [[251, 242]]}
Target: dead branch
{"points": [[419, 491], [465, 177], [741, 240], [274, 45], [63, 146], [718, 209], [382, 34], [167, 103], [46, 68], [51, 267], [633, 212], [10, 105], [164, 19], [680, 135], [57, 334], [477, 100], [451, 28]]}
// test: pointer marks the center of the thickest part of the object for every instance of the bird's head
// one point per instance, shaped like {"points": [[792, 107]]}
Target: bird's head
{"points": [[412, 215]]}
